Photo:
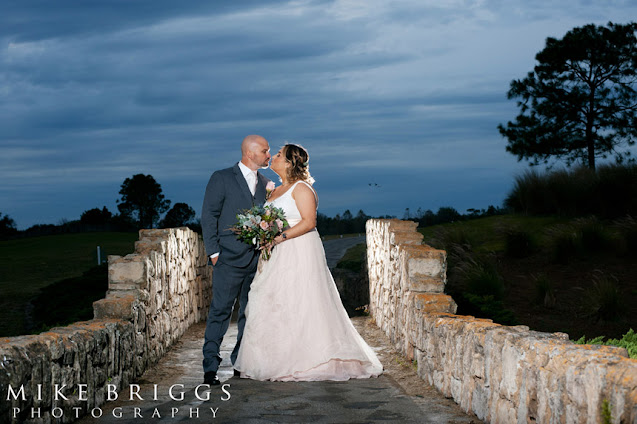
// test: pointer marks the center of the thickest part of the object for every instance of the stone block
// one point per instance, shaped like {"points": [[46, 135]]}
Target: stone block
{"points": [[434, 302], [115, 307], [127, 273]]}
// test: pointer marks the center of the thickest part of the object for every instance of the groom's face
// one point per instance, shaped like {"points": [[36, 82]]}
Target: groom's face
{"points": [[261, 154]]}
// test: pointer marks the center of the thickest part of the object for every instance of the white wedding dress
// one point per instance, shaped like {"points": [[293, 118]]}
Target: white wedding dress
{"points": [[296, 327]]}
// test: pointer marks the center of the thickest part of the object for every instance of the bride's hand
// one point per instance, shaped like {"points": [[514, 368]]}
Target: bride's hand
{"points": [[278, 239]]}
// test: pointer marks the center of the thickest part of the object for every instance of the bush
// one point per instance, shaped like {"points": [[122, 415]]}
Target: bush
{"points": [[482, 279], [449, 236], [627, 229], [519, 243], [581, 237], [594, 235], [544, 293], [488, 307], [527, 195], [604, 300], [563, 242], [628, 341], [608, 192]]}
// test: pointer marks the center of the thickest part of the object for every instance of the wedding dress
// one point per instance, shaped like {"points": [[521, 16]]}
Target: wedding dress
{"points": [[296, 326]]}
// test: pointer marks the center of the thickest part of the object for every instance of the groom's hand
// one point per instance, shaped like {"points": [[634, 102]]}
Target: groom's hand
{"points": [[214, 260]]}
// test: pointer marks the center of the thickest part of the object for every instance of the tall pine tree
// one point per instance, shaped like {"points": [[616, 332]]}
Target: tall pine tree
{"points": [[579, 103]]}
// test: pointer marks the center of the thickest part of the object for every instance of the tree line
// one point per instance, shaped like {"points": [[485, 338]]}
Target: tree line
{"points": [[141, 205]]}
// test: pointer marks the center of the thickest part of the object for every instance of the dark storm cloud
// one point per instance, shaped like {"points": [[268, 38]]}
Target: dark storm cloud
{"points": [[32, 20]]}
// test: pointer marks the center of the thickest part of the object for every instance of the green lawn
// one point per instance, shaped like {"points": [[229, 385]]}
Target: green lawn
{"points": [[486, 234], [28, 264]]}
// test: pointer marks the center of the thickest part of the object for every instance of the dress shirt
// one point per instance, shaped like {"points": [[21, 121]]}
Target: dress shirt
{"points": [[250, 176]]}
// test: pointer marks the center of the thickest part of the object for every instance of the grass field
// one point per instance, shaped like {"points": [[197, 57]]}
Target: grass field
{"points": [[485, 234], [28, 264]]}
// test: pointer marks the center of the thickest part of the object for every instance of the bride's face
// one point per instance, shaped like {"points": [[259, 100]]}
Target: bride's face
{"points": [[279, 164]]}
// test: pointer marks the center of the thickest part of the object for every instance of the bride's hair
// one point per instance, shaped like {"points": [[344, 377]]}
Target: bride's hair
{"points": [[298, 157]]}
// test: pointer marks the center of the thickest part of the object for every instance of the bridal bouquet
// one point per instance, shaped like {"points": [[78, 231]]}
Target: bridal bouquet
{"points": [[259, 226]]}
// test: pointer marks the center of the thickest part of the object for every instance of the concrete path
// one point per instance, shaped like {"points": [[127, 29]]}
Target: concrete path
{"points": [[397, 396]]}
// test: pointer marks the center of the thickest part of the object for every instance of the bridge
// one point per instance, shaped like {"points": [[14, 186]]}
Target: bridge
{"points": [[145, 344]]}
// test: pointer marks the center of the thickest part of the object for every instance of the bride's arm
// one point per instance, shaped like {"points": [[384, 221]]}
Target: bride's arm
{"points": [[306, 204]]}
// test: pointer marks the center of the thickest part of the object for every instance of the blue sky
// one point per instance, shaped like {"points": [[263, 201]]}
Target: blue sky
{"points": [[403, 94]]}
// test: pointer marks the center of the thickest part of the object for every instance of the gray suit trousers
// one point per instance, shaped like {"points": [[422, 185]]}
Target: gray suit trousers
{"points": [[229, 283]]}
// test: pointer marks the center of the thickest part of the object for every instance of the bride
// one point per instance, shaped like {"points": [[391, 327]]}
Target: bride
{"points": [[296, 327]]}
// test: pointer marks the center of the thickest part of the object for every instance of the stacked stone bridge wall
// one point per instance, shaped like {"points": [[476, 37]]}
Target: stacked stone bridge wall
{"points": [[154, 295], [502, 374]]}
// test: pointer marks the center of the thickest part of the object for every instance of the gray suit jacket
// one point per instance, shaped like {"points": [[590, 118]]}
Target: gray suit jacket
{"points": [[227, 194]]}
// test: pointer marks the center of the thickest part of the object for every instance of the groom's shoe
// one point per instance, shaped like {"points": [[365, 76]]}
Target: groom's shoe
{"points": [[237, 373], [211, 378]]}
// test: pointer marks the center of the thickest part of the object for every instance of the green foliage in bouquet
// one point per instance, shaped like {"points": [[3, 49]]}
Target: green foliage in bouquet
{"points": [[259, 225]]}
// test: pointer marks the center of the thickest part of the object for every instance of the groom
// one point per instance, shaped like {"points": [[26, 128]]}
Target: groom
{"points": [[229, 192]]}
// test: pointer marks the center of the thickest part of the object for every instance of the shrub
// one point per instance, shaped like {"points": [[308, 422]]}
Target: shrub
{"points": [[627, 229], [448, 236], [544, 293], [519, 243], [527, 195], [486, 306], [616, 193], [604, 300], [628, 341], [609, 192], [582, 236], [563, 242], [594, 235], [481, 278]]}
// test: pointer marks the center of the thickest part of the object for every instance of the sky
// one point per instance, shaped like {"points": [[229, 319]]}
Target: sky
{"points": [[397, 102]]}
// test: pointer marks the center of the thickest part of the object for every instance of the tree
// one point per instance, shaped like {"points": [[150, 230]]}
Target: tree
{"points": [[96, 216], [179, 216], [579, 103], [7, 226], [428, 218], [447, 214], [142, 200]]}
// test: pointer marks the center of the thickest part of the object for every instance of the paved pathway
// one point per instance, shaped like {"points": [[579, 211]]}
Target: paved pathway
{"points": [[397, 396]]}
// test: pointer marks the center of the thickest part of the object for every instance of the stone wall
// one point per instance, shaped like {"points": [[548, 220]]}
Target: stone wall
{"points": [[154, 295], [502, 374]]}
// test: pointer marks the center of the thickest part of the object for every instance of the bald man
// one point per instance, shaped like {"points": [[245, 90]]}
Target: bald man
{"points": [[229, 192]]}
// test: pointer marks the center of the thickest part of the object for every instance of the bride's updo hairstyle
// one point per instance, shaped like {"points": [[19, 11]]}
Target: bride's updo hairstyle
{"points": [[298, 157]]}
